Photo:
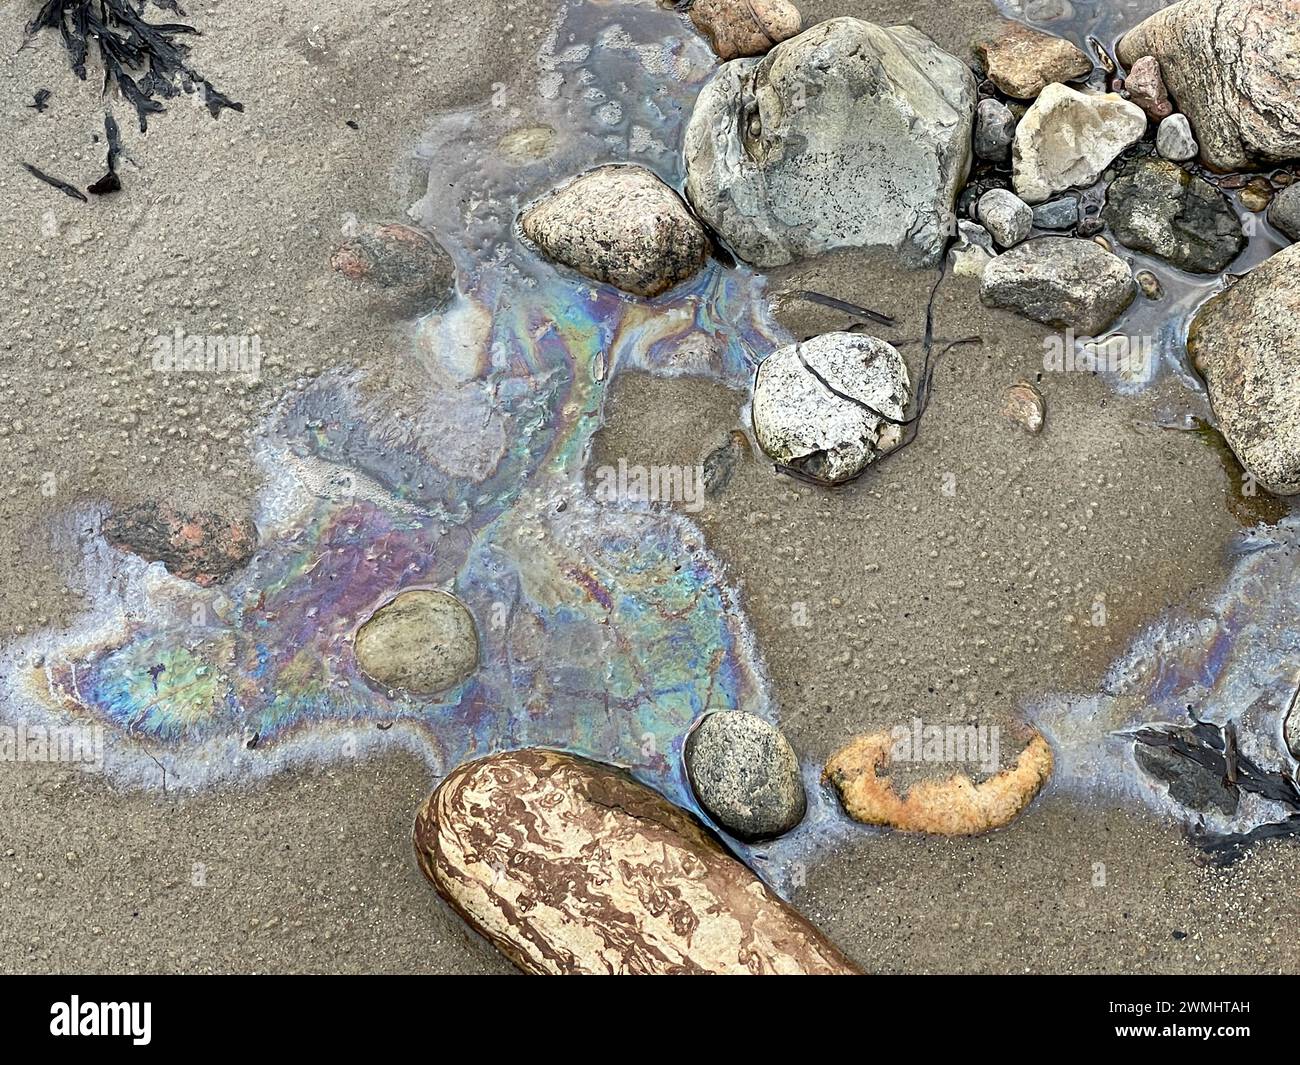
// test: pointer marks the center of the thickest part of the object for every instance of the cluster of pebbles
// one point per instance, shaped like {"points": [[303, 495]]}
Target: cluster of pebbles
{"points": [[853, 135]]}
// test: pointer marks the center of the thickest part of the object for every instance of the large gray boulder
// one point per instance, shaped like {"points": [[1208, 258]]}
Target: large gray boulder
{"points": [[1246, 344], [1232, 67], [850, 135]]}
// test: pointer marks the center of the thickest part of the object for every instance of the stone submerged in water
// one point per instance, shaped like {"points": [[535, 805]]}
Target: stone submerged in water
{"points": [[570, 867], [995, 129], [955, 806], [1006, 216], [1062, 282], [422, 641], [199, 546], [1174, 140], [1022, 61], [1284, 211], [816, 404], [1067, 138], [745, 774], [849, 135], [621, 225], [1232, 68], [738, 28], [1024, 405], [404, 266], [1245, 342], [1159, 208]]}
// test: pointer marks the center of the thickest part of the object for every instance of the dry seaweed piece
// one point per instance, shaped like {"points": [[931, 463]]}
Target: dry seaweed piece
{"points": [[40, 100], [110, 182], [56, 183], [148, 61]]}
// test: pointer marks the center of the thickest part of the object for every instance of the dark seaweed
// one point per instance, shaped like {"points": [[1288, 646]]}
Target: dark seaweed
{"points": [[56, 183], [147, 61], [110, 182], [1207, 745], [40, 101]]}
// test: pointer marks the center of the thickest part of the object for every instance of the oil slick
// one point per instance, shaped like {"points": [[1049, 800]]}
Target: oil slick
{"points": [[1190, 721]]}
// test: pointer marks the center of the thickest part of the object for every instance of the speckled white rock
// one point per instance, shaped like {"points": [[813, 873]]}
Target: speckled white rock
{"points": [[811, 401], [850, 135], [1006, 216], [621, 225], [1174, 139], [1067, 138]]}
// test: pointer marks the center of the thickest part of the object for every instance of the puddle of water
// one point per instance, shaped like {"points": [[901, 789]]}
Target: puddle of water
{"points": [[605, 629]]}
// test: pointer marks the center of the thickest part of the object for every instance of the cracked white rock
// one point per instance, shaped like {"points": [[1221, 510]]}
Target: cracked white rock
{"points": [[816, 404], [1067, 138], [850, 135]]}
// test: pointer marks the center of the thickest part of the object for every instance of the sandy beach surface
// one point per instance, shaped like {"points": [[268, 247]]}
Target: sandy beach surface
{"points": [[921, 602]]}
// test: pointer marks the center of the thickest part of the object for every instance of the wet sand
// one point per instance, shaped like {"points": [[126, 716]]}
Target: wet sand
{"points": [[919, 601]]}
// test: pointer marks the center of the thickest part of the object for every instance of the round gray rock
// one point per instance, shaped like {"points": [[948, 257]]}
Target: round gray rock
{"points": [[995, 129], [422, 641], [745, 774], [1174, 139]]}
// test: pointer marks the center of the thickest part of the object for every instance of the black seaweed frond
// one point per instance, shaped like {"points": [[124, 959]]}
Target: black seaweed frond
{"points": [[148, 61]]}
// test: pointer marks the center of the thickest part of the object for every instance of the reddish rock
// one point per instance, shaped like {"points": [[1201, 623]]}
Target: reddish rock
{"points": [[200, 546], [1146, 88], [1022, 62], [402, 265]]}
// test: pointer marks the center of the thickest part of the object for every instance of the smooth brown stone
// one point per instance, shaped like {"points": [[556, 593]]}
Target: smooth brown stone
{"points": [[1022, 61], [571, 867], [737, 28]]}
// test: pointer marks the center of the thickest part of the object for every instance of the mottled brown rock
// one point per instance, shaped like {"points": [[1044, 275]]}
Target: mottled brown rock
{"points": [[1022, 62], [621, 225], [1245, 342], [570, 867], [738, 28], [1232, 67], [403, 266], [199, 546], [955, 806]]}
